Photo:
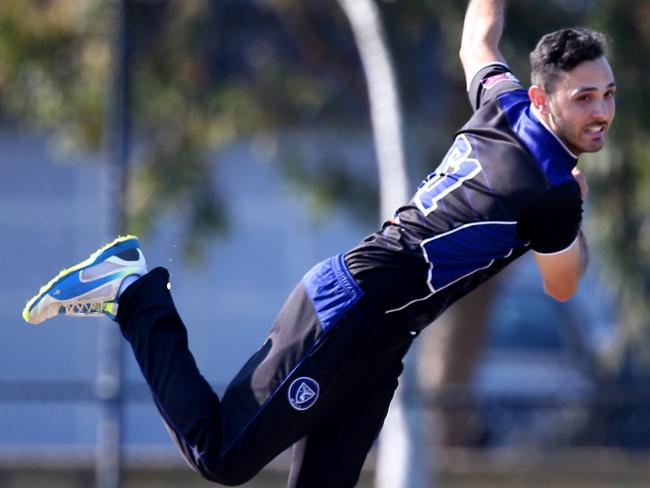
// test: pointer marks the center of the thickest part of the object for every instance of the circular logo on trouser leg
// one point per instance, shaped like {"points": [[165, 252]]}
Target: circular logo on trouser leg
{"points": [[303, 393]]}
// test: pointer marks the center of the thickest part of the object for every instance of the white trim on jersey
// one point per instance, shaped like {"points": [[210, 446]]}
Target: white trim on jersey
{"points": [[560, 251], [426, 258]]}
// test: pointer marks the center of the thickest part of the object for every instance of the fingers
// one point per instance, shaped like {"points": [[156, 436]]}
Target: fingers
{"points": [[581, 179]]}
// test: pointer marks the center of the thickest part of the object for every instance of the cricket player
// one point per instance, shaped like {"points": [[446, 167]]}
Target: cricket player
{"points": [[323, 379]]}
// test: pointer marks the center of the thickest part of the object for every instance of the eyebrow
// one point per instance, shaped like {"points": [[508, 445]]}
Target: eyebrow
{"points": [[586, 89]]}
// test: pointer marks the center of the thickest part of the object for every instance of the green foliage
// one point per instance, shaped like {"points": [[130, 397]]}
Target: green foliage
{"points": [[54, 62], [621, 184], [198, 82]]}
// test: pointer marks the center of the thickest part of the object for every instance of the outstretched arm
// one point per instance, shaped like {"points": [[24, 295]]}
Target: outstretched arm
{"points": [[482, 32]]}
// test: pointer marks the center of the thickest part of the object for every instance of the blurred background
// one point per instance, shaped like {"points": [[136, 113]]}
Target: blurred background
{"points": [[244, 141]]}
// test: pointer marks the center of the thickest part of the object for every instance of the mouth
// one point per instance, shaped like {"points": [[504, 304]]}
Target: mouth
{"points": [[596, 130]]}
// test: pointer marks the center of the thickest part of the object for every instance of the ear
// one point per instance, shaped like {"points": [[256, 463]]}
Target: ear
{"points": [[539, 98]]}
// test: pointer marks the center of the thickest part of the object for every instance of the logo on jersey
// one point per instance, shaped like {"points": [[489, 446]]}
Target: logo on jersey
{"points": [[303, 393], [495, 79]]}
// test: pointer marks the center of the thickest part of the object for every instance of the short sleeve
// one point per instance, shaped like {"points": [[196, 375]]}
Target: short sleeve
{"points": [[552, 221], [490, 81]]}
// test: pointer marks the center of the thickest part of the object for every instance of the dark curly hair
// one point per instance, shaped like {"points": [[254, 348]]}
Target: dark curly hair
{"points": [[563, 50]]}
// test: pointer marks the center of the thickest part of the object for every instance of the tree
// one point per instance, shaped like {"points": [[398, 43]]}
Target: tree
{"points": [[204, 74], [620, 177]]}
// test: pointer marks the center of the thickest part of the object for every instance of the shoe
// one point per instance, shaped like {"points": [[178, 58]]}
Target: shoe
{"points": [[89, 288]]}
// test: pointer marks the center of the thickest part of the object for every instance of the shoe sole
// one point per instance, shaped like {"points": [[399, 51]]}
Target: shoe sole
{"points": [[89, 261]]}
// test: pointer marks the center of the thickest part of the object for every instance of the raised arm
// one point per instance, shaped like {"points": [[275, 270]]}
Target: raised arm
{"points": [[482, 32]]}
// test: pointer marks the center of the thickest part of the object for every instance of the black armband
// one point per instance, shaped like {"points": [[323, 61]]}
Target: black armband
{"points": [[551, 222]]}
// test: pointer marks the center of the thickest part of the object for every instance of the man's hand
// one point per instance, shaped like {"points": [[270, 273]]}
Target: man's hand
{"points": [[582, 182]]}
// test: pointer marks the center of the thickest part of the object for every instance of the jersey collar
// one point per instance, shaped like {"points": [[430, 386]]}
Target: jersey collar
{"points": [[551, 155], [536, 115]]}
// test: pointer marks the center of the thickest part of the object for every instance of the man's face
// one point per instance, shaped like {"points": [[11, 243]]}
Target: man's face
{"points": [[581, 106]]}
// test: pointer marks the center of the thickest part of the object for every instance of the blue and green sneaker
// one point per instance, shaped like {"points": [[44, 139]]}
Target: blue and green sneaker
{"points": [[89, 288]]}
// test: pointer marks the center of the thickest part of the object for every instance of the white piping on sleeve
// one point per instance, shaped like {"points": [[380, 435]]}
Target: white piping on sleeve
{"points": [[561, 251]]}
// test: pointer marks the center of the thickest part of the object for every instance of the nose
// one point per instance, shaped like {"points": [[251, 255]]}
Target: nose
{"points": [[602, 110]]}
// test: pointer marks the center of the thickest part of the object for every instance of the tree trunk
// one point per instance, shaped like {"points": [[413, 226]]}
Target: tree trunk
{"points": [[448, 351]]}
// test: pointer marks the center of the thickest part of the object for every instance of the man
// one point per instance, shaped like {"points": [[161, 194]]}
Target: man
{"points": [[325, 376]]}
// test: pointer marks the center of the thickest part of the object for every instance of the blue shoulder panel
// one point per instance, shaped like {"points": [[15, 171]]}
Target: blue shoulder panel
{"points": [[550, 154]]}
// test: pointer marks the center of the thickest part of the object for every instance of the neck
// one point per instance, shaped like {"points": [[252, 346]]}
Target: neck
{"points": [[545, 119]]}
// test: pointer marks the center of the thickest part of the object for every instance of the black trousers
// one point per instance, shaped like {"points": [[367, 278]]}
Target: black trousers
{"points": [[324, 392]]}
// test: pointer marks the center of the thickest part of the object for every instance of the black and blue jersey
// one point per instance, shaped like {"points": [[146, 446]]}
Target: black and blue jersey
{"points": [[468, 219]]}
